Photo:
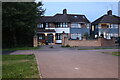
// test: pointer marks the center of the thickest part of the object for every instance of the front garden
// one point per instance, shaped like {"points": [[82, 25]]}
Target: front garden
{"points": [[19, 66]]}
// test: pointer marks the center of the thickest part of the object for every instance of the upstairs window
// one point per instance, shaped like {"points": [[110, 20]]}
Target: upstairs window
{"points": [[65, 25], [76, 25], [114, 25], [62, 25], [40, 25], [47, 25]]}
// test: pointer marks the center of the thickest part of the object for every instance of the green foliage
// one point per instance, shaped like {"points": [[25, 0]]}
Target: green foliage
{"points": [[19, 19], [19, 66], [51, 47], [116, 53], [86, 34], [65, 46]]}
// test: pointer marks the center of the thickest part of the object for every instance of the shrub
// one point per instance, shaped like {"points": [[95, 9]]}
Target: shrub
{"points": [[67, 45], [51, 46]]}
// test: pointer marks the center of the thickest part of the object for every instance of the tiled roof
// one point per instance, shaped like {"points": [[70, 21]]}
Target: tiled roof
{"points": [[107, 19], [45, 19], [64, 18]]}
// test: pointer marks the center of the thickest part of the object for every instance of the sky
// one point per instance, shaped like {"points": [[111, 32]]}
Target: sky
{"points": [[92, 10]]}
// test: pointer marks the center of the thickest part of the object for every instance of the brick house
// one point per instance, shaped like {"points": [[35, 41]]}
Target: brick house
{"points": [[50, 28], [107, 26]]}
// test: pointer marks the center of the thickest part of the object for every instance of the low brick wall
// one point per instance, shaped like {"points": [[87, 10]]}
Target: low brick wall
{"points": [[107, 42], [98, 42]]}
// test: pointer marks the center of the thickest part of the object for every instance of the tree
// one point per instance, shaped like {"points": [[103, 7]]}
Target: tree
{"points": [[19, 19]]}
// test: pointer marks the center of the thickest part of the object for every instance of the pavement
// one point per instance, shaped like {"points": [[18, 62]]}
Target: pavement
{"points": [[60, 62]]}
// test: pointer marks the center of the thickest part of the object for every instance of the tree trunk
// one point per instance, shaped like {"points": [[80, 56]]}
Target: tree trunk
{"points": [[14, 39]]}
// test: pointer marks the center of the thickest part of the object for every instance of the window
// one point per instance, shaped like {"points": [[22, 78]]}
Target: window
{"points": [[65, 25], [41, 36], [40, 25], [47, 25], [75, 16], [99, 27], [75, 25], [88, 26], [111, 34], [115, 35], [93, 28], [83, 17], [114, 25], [76, 36], [58, 36], [61, 25]]}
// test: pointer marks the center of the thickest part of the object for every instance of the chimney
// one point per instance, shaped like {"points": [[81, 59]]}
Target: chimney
{"points": [[64, 11], [109, 12]]}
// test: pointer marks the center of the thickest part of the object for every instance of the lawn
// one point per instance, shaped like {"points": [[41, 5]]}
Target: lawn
{"points": [[20, 48], [113, 53], [116, 53], [19, 66]]}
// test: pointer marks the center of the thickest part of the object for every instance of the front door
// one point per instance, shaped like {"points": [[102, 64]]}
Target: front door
{"points": [[50, 38]]}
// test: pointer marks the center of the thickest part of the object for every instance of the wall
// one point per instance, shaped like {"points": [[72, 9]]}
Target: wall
{"points": [[107, 42], [60, 30], [84, 42], [81, 31]]}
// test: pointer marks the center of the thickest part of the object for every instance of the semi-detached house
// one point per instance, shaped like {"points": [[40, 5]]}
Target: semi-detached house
{"points": [[51, 28], [107, 26]]}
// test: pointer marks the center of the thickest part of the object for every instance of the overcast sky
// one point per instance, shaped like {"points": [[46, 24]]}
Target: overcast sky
{"points": [[92, 10]]}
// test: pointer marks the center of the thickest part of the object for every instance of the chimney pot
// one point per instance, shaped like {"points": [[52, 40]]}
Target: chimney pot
{"points": [[109, 12], [65, 11]]}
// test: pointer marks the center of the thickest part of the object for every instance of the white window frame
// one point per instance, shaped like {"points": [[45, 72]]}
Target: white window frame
{"points": [[75, 36], [75, 25], [47, 25]]}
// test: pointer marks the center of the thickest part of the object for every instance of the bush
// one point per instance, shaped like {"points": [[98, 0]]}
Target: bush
{"points": [[67, 45], [51, 46]]}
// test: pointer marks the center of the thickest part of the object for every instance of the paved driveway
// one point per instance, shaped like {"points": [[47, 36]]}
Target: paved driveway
{"points": [[60, 62], [68, 63]]}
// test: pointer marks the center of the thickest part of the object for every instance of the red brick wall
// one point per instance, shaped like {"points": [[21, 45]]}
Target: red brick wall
{"points": [[107, 42], [98, 42]]}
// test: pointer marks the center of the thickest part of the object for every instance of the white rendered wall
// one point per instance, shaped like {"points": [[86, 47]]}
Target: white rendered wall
{"points": [[60, 30], [58, 41]]}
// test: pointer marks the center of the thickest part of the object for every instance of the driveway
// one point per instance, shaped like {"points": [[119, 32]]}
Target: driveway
{"points": [[71, 63], [60, 62]]}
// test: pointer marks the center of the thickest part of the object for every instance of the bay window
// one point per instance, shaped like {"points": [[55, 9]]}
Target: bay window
{"points": [[58, 36]]}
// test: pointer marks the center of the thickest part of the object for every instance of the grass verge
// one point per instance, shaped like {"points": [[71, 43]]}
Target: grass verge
{"points": [[116, 53], [19, 66], [113, 53], [20, 48]]}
